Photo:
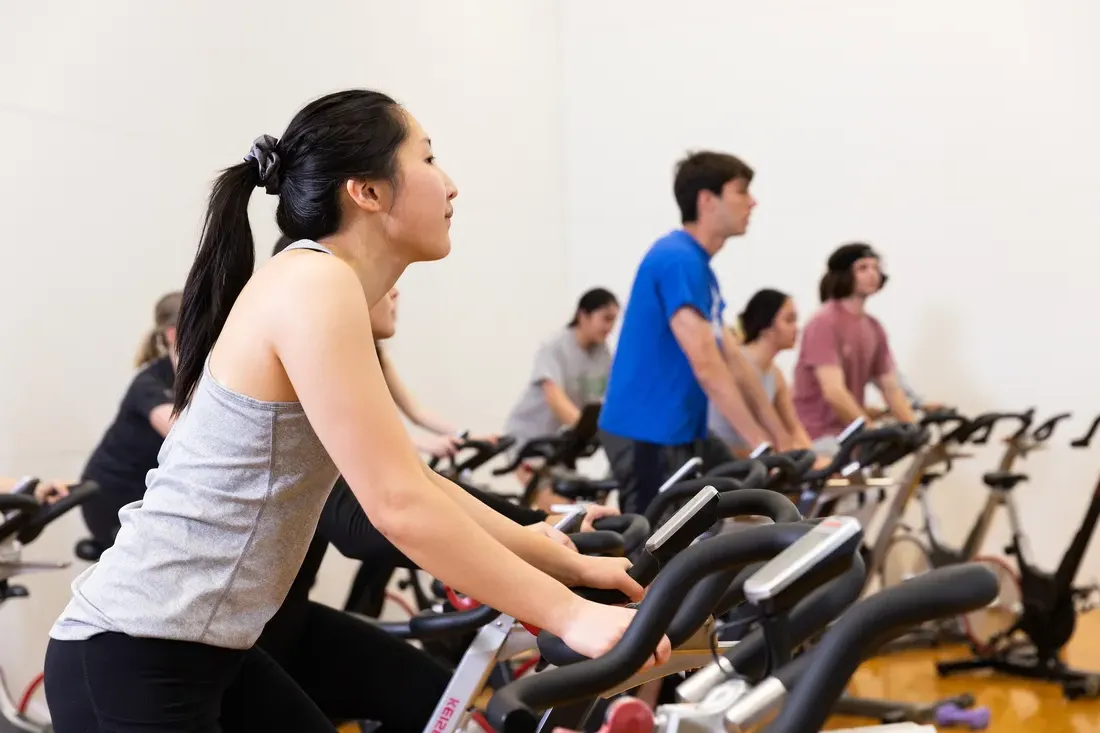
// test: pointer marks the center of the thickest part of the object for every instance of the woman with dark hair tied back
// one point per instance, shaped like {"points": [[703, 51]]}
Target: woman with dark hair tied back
{"points": [[570, 371], [129, 448], [768, 326], [278, 392]]}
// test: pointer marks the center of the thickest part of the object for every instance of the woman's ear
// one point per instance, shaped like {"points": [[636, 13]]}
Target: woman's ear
{"points": [[370, 196], [170, 335]]}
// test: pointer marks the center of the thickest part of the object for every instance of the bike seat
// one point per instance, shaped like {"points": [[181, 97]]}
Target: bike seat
{"points": [[89, 550], [579, 488], [1003, 480]]}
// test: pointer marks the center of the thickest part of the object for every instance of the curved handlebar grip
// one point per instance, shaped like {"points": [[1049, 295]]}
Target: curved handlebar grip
{"points": [[759, 503], [1046, 430], [512, 708], [432, 626], [599, 542], [536, 448], [982, 426], [751, 472], [25, 508], [818, 682], [78, 494], [679, 493], [792, 465], [484, 451], [1084, 440], [634, 528], [889, 433]]}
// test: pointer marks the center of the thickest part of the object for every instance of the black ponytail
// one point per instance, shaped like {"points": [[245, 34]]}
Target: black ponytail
{"points": [[353, 134], [225, 261]]}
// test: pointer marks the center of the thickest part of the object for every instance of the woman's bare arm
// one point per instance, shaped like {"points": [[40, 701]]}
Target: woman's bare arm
{"points": [[322, 340]]}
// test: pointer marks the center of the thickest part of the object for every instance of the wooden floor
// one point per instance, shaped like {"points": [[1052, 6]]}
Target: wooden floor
{"points": [[1015, 705]]}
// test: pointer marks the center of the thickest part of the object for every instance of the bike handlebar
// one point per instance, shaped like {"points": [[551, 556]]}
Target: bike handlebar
{"points": [[633, 528], [1045, 431], [752, 473], [819, 677], [24, 508], [979, 429], [78, 494], [684, 490], [512, 708], [896, 435]]}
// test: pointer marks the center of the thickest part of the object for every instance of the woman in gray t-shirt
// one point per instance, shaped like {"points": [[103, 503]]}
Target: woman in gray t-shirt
{"points": [[571, 370]]}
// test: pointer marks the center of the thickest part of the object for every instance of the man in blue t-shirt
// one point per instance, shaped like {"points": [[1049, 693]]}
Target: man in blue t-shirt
{"points": [[670, 358]]}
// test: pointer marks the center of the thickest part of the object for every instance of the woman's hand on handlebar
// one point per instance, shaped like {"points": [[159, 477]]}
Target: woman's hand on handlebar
{"points": [[440, 446], [592, 512], [548, 530], [490, 439], [610, 573], [595, 628], [822, 462], [49, 492]]}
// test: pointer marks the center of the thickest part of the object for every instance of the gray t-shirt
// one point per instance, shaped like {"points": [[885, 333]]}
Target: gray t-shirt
{"points": [[720, 427], [582, 373], [209, 553]]}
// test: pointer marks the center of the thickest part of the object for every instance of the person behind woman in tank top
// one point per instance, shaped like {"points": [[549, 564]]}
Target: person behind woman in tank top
{"points": [[768, 326], [571, 370], [128, 450], [278, 391], [444, 437]]}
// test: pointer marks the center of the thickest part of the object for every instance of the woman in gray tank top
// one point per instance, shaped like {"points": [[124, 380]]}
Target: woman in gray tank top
{"points": [[278, 390], [768, 326]]}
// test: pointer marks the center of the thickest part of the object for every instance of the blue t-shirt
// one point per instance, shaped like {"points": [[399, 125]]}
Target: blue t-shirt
{"points": [[653, 395]]}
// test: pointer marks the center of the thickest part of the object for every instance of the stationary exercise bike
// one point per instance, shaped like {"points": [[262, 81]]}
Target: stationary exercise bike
{"points": [[1045, 615], [911, 552], [22, 519]]}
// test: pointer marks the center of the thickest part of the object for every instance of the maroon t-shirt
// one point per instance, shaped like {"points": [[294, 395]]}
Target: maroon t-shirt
{"points": [[855, 343]]}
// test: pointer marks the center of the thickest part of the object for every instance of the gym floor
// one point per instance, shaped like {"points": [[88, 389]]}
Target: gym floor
{"points": [[1015, 705]]}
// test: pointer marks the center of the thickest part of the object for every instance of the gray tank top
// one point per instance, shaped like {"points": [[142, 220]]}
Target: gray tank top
{"points": [[210, 552], [717, 424]]}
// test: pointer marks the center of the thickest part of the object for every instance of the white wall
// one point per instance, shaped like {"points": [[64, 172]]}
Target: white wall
{"points": [[116, 118], [959, 138]]}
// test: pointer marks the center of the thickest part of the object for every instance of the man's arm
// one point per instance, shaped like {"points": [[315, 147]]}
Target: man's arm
{"points": [[895, 396], [697, 341], [762, 407], [835, 391], [784, 405]]}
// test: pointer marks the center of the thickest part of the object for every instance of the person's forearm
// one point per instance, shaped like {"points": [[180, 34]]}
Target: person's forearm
{"points": [[766, 414], [559, 403], [543, 553], [845, 406], [724, 394], [899, 405], [449, 544]]}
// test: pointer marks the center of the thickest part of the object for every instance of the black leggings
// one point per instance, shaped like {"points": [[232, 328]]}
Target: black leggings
{"points": [[114, 683], [352, 671], [342, 669]]}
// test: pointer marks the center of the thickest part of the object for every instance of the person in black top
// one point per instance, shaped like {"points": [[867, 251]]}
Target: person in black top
{"points": [[129, 448]]}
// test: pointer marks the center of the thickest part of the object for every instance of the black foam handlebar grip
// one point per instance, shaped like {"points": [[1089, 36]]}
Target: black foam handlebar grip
{"points": [[78, 494], [757, 503], [599, 542], [1084, 440], [634, 528], [436, 625], [671, 498], [981, 427], [512, 708], [752, 472], [1044, 432], [819, 681], [24, 508]]}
